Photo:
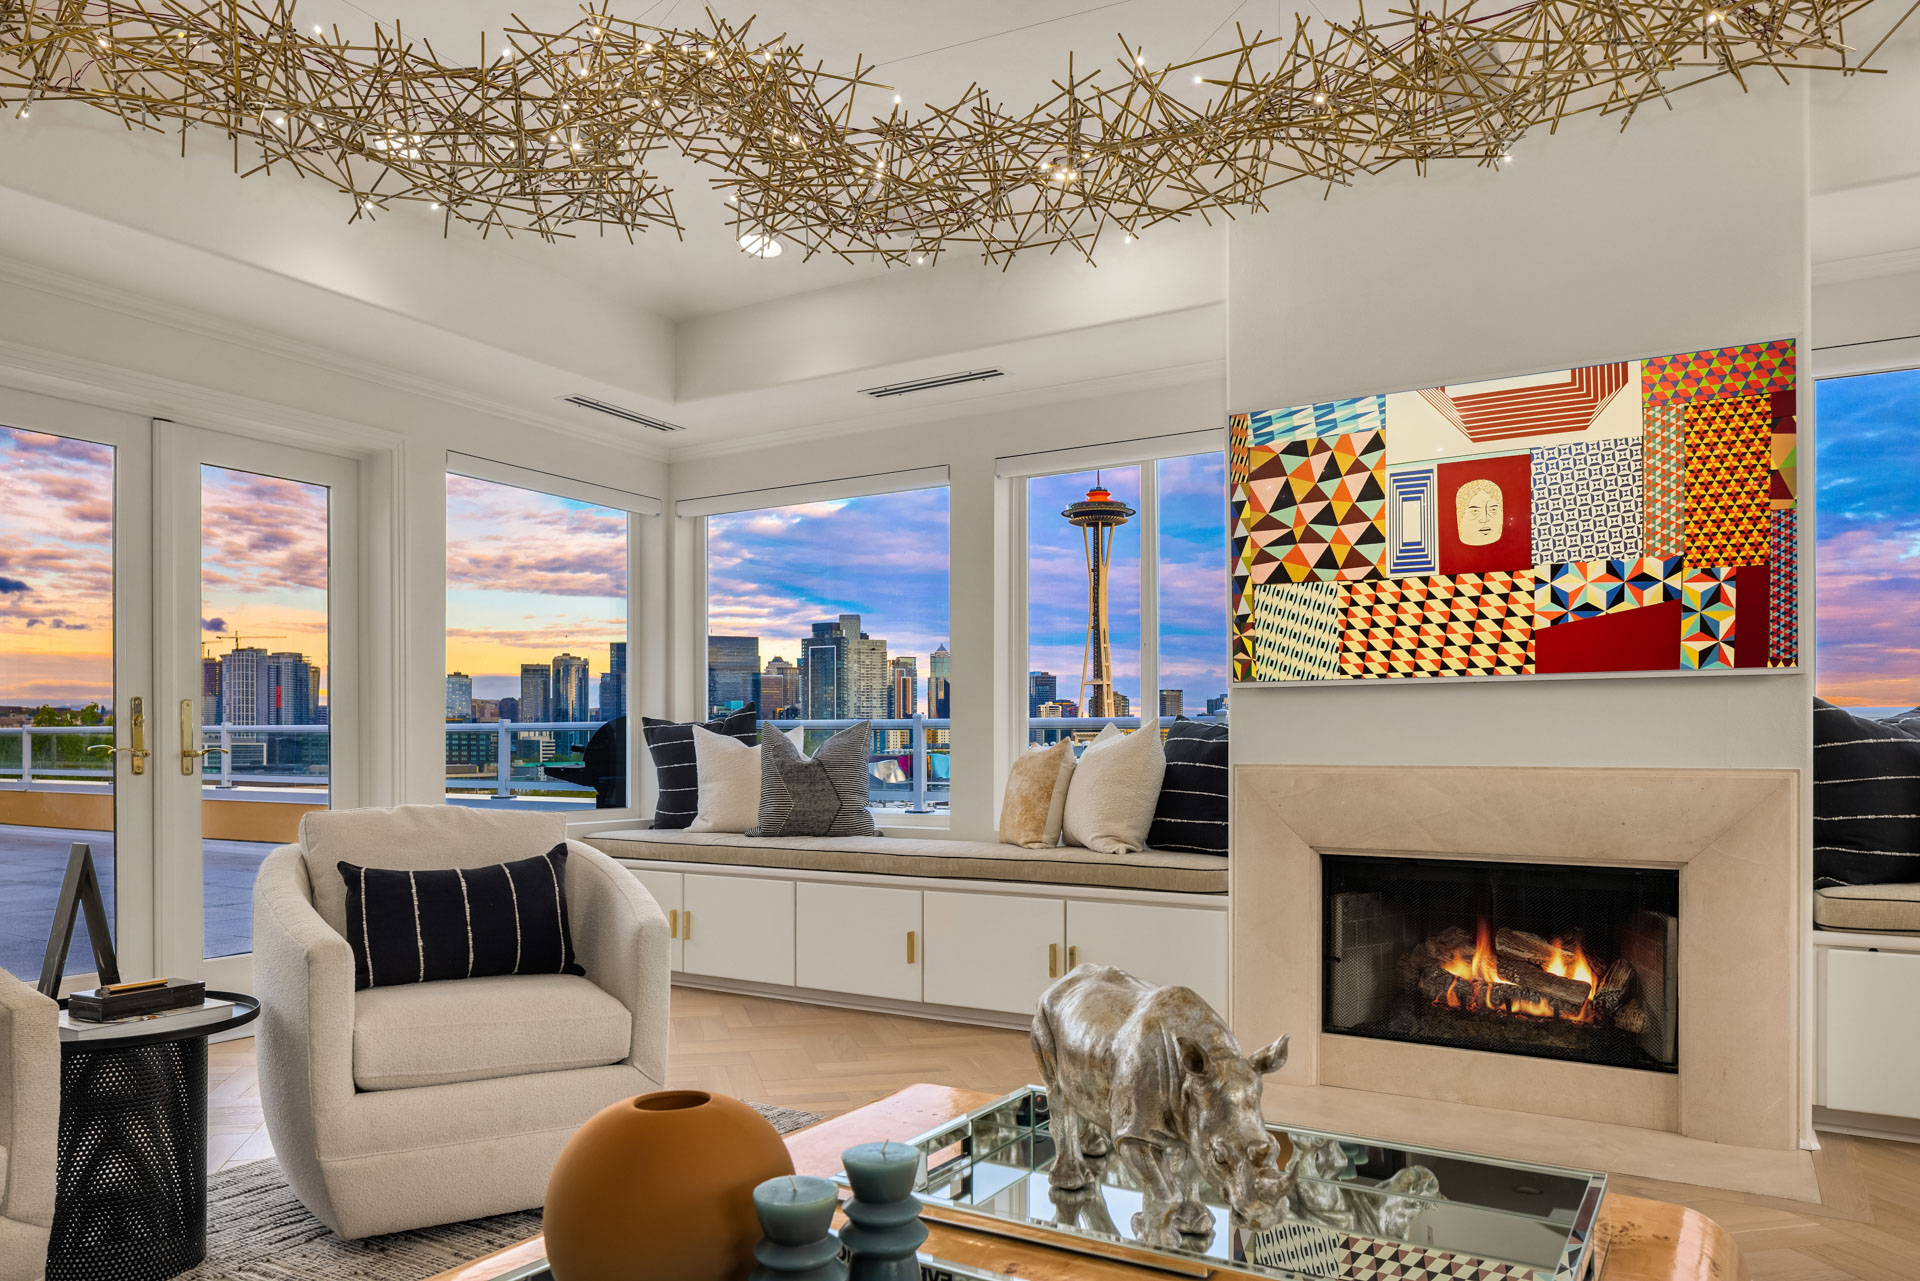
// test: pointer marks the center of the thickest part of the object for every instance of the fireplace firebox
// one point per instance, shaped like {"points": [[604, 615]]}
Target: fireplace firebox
{"points": [[1555, 961]]}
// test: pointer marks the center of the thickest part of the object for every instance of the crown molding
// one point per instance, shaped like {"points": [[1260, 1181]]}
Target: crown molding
{"points": [[1866, 267], [137, 307], [1052, 394]]}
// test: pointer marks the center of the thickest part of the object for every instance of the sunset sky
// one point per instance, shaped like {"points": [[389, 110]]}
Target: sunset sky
{"points": [[529, 576], [56, 569], [263, 565], [1868, 471]]}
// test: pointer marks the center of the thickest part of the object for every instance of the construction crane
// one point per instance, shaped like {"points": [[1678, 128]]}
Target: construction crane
{"points": [[237, 637]]}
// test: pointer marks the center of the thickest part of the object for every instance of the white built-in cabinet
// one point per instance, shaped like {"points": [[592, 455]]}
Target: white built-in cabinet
{"points": [[737, 927], [862, 939], [990, 950], [665, 888], [1870, 1031], [1167, 945]]}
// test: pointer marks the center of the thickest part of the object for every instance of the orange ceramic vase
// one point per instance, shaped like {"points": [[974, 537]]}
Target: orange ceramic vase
{"points": [[660, 1188]]}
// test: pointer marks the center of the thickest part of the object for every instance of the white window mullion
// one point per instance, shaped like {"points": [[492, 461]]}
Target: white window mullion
{"points": [[1149, 591]]}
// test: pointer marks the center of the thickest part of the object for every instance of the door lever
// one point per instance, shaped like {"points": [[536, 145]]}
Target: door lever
{"points": [[137, 732], [189, 731]]}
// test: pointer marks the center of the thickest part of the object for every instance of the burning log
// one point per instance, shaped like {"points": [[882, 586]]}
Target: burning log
{"points": [[1431, 953], [1615, 988], [1518, 945], [1633, 1017], [1523, 985], [1572, 993]]}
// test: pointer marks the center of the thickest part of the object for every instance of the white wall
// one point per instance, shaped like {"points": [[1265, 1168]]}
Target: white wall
{"points": [[1686, 231], [980, 602]]}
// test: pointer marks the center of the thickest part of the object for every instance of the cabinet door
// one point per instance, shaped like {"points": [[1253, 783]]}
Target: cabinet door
{"points": [[737, 927], [1871, 1025], [1167, 945], [665, 888], [992, 951], [857, 938]]}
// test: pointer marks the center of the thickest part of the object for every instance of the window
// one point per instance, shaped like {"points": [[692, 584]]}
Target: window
{"points": [[1868, 531], [536, 649], [1100, 543], [833, 612]]}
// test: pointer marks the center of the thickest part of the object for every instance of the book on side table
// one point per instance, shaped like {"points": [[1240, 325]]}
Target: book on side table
{"points": [[72, 1029], [1636, 1239]]}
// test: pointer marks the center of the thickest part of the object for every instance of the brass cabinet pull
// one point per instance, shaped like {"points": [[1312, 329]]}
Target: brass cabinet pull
{"points": [[137, 732], [909, 947], [1053, 960], [190, 732], [686, 921], [673, 923], [1073, 956]]}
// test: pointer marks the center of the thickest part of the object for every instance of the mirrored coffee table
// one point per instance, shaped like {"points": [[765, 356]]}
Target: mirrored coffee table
{"points": [[1633, 1239]]}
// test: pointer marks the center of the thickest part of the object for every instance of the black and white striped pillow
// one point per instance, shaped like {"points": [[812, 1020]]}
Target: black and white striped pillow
{"points": [[1866, 798], [825, 796], [1191, 817], [459, 923], [671, 745]]}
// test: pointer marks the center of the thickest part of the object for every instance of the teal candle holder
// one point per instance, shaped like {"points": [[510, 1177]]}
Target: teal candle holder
{"points": [[884, 1232], [796, 1213]]}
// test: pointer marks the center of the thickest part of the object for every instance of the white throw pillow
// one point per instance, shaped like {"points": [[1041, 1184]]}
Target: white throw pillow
{"points": [[1115, 787], [729, 778]]}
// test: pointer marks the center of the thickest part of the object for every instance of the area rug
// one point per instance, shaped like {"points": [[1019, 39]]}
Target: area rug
{"points": [[257, 1230]]}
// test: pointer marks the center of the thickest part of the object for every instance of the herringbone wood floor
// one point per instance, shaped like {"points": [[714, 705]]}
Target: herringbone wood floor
{"points": [[1867, 1227]]}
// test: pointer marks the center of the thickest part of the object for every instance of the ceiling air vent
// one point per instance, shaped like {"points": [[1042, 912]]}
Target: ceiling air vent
{"points": [[602, 407], [928, 384]]}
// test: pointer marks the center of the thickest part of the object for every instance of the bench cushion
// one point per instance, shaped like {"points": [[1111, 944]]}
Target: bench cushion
{"points": [[476, 1029], [1879, 909], [910, 856]]}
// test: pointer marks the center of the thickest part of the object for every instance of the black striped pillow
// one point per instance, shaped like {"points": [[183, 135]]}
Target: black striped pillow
{"points": [[1191, 817], [1866, 798], [671, 745], [459, 923], [822, 796]]}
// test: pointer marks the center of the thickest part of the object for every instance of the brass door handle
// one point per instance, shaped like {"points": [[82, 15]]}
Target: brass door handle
{"points": [[1053, 960], [137, 732], [686, 924], [190, 731], [673, 923], [1073, 956], [909, 947]]}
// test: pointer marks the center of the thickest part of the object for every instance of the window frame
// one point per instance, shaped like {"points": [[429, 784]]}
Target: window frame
{"points": [[641, 537], [1013, 474], [690, 519]]}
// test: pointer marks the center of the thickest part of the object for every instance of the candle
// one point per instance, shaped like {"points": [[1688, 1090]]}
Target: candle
{"points": [[882, 1172], [796, 1209]]}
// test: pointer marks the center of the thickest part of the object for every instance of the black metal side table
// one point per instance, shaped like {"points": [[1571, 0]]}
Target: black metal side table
{"points": [[130, 1195]]}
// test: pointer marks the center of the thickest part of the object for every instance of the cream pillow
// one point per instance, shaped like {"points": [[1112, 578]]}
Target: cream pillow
{"points": [[729, 778], [1115, 788], [1036, 798]]}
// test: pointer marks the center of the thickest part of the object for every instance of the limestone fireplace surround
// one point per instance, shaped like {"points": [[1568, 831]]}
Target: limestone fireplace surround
{"points": [[1728, 1118]]}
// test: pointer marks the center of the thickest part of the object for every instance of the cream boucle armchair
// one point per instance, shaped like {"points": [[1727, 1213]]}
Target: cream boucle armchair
{"points": [[29, 1126], [402, 1107]]}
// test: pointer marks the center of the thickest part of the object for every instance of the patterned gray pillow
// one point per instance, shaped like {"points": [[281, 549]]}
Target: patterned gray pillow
{"points": [[825, 796]]}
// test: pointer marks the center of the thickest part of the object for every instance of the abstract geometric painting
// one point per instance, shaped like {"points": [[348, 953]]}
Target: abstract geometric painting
{"points": [[1634, 517]]}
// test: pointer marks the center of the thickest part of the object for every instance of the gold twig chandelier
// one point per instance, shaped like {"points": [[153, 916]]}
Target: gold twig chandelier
{"points": [[551, 131]]}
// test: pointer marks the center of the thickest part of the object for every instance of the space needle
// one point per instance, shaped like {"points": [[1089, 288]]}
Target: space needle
{"points": [[1097, 518]]}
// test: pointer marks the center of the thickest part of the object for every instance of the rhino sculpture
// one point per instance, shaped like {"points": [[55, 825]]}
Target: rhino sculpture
{"points": [[1153, 1075]]}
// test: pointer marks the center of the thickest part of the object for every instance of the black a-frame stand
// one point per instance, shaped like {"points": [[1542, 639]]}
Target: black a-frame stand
{"points": [[80, 889]]}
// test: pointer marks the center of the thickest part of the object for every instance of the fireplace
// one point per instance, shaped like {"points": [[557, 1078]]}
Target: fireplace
{"points": [[1554, 961]]}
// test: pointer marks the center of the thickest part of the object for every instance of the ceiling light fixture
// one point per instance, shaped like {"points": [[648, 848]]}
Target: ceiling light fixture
{"points": [[758, 242]]}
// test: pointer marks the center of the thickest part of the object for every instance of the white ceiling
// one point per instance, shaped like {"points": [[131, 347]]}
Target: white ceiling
{"points": [[694, 331]]}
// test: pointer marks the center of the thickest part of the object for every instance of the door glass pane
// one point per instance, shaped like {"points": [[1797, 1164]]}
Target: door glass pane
{"points": [[263, 683], [1192, 579], [56, 683]]}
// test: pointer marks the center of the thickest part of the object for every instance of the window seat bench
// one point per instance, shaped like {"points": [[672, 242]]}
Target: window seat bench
{"points": [[966, 930]]}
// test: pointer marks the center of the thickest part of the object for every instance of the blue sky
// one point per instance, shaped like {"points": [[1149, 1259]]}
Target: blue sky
{"points": [[1868, 580]]}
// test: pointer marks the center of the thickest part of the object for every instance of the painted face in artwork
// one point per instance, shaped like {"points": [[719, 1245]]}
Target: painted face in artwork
{"points": [[1480, 511]]}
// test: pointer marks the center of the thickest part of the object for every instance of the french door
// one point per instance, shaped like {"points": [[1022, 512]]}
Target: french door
{"points": [[178, 655]]}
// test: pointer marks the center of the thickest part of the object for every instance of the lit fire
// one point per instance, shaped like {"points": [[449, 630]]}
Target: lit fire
{"points": [[1477, 981]]}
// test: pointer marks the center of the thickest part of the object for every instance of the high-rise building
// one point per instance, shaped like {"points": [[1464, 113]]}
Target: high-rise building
{"points": [[1118, 705], [1042, 687], [1097, 518], [613, 685], [241, 686], [486, 710], [1217, 706], [1049, 710], [509, 709], [733, 673], [867, 661], [904, 687], [1172, 702], [536, 693], [571, 699], [939, 694], [821, 672], [459, 696], [780, 688], [209, 690]]}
